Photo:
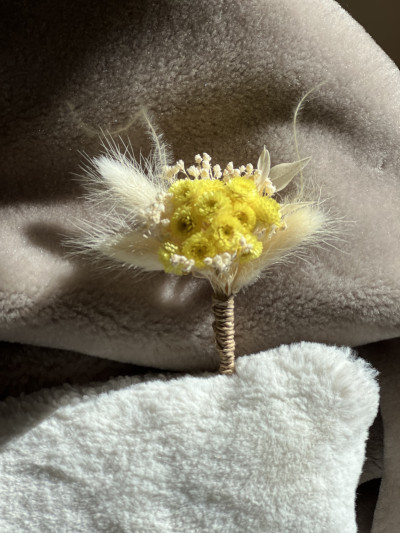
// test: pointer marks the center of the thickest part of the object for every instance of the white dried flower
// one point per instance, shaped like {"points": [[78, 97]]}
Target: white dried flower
{"points": [[193, 171], [217, 171]]}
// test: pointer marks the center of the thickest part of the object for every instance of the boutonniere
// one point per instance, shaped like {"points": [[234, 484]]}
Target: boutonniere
{"points": [[223, 225]]}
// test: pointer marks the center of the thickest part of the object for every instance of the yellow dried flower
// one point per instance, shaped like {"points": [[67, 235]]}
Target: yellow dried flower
{"points": [[242, 188], [267, 211], [166, 251], [245, 214], [183, 223], [251, 250], [211, 202], [198, 247], [210, 185], [184, 191], [225, 232]]}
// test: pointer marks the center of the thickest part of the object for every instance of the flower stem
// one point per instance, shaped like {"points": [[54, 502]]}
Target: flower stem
{"points": [[224, 330]]}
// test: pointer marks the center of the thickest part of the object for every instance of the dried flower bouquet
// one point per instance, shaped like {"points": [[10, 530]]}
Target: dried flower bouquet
{"points": [[221, 225]]}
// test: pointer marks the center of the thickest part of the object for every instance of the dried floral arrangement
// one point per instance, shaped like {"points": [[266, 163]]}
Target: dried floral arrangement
{"points": [[223, 225]]}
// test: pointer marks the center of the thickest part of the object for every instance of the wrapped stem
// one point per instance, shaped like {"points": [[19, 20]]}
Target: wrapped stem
{"points": [[224, 330]]}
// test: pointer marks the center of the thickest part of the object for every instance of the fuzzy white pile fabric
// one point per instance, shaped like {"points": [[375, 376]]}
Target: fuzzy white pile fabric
{"points": [[276, 448]]}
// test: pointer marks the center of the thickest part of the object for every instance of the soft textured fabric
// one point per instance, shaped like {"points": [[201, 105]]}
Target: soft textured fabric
{"points": [[276, 448], [220, 76], [385, 357]]}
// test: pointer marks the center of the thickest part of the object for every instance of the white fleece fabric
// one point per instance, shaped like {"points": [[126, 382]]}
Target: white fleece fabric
{"points": [[276, 448]]}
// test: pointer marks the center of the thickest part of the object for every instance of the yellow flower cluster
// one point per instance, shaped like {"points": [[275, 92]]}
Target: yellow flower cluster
{"points": [[214, 222]]}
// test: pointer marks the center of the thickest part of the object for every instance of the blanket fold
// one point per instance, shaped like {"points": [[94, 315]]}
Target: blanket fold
{"points": [[222, 77]]}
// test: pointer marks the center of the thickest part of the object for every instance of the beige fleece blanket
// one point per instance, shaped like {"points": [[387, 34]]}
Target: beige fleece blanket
{"points": [[222, 77]]}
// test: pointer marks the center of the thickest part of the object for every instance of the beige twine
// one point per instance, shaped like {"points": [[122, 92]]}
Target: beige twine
{"points": [[224, 329]]}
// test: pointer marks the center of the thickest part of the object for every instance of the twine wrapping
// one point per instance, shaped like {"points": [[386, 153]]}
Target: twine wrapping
{"points": [[224, 330]]}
